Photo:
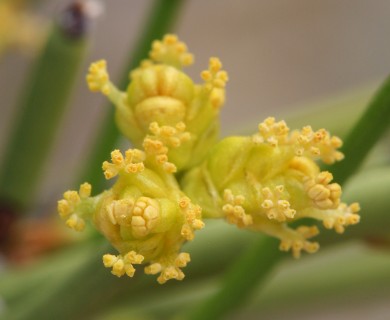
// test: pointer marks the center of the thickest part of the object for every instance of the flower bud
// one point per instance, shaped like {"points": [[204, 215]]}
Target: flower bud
{"points": [[144, 216], [163, 105]]}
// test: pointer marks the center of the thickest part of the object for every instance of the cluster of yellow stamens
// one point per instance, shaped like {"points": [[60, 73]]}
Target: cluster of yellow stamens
{"points": [[131, 163], [317, 144], [215, 81], [343, 217], [271, 132], [323, 194], [171, 136], [233, 210], [146, 215], [163, 138], [192, 214], [169, 270], [275, 206], [68, 207], [171, 51], [141, 215], [306, 142], [98, 78], [122, 264], [295, 240]]}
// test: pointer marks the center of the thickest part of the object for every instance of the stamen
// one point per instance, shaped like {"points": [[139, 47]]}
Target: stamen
{"points": [[215, 82], [274, 204], [234, 211], [122, 264], [323, 194], [171, 51], [132, 163]]}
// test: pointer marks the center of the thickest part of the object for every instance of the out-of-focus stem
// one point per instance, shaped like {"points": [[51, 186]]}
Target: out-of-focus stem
{"points": [[351, 273], [39, 112], [237, 284], [370, 127], [159, 22]]}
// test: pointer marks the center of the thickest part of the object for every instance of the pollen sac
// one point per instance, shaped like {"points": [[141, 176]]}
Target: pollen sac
{"points": [[162, 106], [268, 180]]}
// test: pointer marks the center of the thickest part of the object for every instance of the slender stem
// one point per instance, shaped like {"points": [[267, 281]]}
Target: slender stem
{"points": [[160, 21], [364, 135], [241, 281], [43, 103], [347, 273]]}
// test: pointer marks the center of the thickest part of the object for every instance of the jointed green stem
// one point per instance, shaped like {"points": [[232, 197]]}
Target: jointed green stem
{"points": [[240, 280], [39, 113], [364, 135]]}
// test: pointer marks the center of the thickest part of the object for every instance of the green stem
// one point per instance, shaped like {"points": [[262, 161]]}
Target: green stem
{"points": [[347, 273], [159, 22], [239, 285], [364, 135], [40, 110]]}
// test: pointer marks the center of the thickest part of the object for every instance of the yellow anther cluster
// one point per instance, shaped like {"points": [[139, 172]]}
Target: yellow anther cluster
{"points": [[145, 216], [122, 264], [271, 132], [162, 138], [215, 82], [296, 242], [141, 215], [68, 207], [306, 142], [234, 212], [192, 214], [131, 163], [169, 269], [171, 51], [170, 136], [342, 217], [323, 194], [157, 149], [275, 206], [120, 211], [317, 144], [97, 77]]}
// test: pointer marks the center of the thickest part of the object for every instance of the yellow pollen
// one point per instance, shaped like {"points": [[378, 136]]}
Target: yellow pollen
{"points": [[215, 82], [171, 51], [233, 210]]}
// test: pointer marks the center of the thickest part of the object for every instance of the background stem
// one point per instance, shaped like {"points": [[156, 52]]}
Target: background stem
{"points": [[240, 284], [40, 110], [364, 135]]}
